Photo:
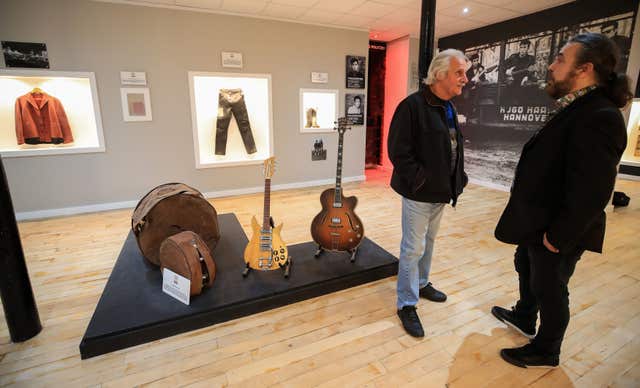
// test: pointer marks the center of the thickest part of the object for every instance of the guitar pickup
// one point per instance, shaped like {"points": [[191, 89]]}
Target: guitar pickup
{"points": [[335, 204], [265, 238], [336, 220]]}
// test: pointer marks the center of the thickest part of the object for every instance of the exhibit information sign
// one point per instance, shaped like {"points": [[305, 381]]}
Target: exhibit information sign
{"points": [[175, 285]]}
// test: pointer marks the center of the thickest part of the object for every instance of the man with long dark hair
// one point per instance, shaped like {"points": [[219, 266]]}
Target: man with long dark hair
{"points": [[562, 184]]}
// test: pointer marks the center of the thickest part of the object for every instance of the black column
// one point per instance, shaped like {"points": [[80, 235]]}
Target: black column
{"points": [[427, 37], [15, 287]]}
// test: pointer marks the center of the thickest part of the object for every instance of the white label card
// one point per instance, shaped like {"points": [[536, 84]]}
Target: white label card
{"points": [[133, 77], [319, 78], [230, 59], [176, 285]]}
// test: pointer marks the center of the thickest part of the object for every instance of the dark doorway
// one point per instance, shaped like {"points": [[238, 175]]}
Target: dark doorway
{"points": [[375, 101]]}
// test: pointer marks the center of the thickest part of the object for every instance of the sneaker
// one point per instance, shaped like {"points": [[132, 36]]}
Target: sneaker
{"points": [[428, 292], [411, 321], [529, 357], [510, 318]]}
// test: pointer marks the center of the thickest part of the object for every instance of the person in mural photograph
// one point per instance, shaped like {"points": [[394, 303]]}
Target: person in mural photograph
{"points": [[562, 184], [476, 77], [611, 30], [427, 155], [519, 65]]}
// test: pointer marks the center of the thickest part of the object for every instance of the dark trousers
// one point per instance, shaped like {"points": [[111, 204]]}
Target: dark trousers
{"points": [[232, 101], [544, 278]]}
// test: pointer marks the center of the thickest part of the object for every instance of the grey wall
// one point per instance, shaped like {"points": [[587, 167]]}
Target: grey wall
{"points": [[107, 38]]}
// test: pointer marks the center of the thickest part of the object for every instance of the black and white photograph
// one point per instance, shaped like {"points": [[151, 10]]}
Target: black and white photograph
{"points": [[23, 54], [355, 67], [318, 152], [482, 75], [354, 106], [505, 102]]}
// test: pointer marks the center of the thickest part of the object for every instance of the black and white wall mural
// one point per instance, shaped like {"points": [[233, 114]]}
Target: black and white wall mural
{"points": [[504, 102]]}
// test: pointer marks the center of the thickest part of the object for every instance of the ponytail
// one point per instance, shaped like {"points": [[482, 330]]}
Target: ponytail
{"points": [[604, 54]]}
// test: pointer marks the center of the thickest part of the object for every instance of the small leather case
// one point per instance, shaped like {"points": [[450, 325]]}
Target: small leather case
{"points": [[188, 255]]}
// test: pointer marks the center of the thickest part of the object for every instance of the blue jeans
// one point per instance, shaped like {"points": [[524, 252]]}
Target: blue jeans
{"points": [[420, 223]]}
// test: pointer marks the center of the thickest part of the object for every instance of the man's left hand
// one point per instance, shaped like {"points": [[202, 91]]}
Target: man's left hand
{"points": [[548, 245]]}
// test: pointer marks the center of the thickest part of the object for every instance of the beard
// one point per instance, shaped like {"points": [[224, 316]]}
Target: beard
{"points": [[557, 88]]}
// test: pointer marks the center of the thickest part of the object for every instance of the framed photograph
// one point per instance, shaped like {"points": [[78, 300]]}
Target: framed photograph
{"points": [[136, 104], [232, 118], [355, 67], [24, 54], [354, 107], [318, 110]]}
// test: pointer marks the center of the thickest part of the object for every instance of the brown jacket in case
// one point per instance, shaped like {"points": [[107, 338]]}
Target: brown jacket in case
{"points": [[40, 118], [187, 255]]}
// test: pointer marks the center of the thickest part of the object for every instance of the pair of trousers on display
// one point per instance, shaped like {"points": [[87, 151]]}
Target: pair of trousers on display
{"points": [[420, 224], [544, 279], [232, 101]]}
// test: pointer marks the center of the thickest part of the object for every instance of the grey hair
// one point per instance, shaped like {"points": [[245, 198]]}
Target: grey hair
{"points": [[440, 65]]}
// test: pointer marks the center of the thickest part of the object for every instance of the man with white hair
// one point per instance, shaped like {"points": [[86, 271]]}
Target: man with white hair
{"points": [[425, 147]]}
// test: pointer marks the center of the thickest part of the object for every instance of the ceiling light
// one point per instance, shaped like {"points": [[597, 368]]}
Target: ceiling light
{"points": [[465, 10]]}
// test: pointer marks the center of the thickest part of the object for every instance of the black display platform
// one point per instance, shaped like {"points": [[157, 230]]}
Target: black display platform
{"points": [[133, 309]]}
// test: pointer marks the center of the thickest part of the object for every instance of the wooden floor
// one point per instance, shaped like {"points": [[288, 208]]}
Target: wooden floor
{"points": [[352, 337]]}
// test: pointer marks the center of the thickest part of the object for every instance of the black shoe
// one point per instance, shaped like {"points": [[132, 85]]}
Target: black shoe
{"points": [[428, 292], [411, 321], [510, 318], [529, 357]]}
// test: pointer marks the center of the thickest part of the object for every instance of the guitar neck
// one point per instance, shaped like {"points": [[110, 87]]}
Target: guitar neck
{"points": [[266, 224], [338, 191]]}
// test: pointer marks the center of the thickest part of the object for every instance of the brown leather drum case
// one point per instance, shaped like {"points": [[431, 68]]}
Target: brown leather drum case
{"points": [[187, 255], [170, 209]]}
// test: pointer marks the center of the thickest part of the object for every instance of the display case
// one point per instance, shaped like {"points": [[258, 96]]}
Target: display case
{"points": [[632, 153], [46, 112], [318, 110], [231, 118]]}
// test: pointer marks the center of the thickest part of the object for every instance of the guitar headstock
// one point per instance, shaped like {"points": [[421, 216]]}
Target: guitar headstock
{"points": [[269, 167], [343, 125]]}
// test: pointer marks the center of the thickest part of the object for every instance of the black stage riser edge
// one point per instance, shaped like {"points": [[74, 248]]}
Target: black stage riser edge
{"points": [[628, 169], [20, 310], [98, 346]]}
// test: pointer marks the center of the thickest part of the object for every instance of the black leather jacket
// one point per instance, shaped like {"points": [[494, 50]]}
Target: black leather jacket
{"points": [[419, 147]]}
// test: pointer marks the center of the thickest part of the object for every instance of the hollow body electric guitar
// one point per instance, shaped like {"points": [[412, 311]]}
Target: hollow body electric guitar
{"points": [[337, 227], [266, 251]]}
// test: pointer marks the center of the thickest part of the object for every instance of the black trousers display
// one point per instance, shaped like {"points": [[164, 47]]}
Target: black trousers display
{"points": [[232, 101], [544, 279]]}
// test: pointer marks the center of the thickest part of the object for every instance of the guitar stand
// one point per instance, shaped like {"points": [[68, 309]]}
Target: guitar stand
{"points": [[353, 253], [286, 267]]}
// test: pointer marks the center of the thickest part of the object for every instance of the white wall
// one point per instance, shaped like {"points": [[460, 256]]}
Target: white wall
{"points": [[107, 38]]}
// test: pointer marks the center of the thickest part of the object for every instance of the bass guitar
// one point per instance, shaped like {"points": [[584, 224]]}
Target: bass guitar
{"points": [[266, 251], [337, 227]]}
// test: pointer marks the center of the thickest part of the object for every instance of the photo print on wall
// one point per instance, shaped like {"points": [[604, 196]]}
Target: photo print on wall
{"points": [[355, 67], [24, 54], [505, 100], [318, 152], [354, 106]]}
